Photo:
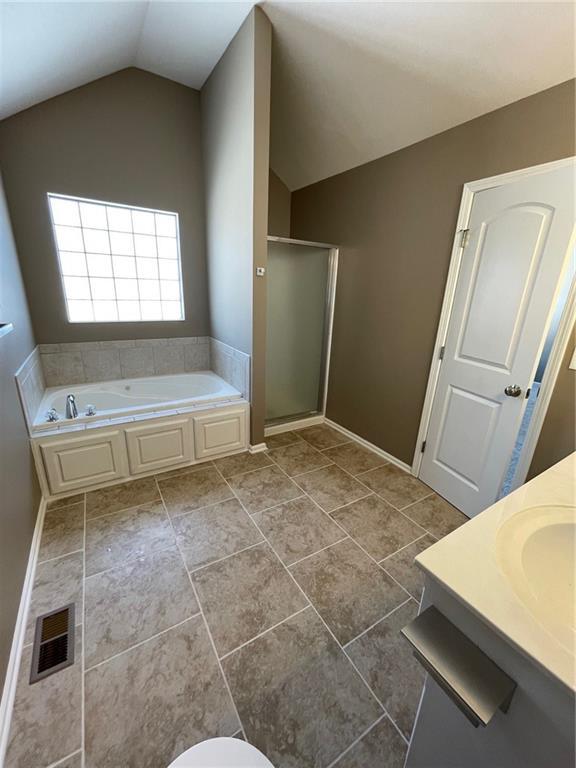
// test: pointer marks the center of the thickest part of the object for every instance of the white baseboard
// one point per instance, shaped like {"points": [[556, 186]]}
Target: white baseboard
{"points": [[370, 446], [258, 448], [9, 691], [288, 426]]}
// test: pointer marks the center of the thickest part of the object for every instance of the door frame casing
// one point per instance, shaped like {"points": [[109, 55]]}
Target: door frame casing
{"points": [[558, 347]]}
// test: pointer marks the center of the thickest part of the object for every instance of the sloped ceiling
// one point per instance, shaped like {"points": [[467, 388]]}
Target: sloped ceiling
{"points": [[48, 48], [352, 81]]}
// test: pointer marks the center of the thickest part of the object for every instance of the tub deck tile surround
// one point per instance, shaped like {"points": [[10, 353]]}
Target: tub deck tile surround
{"points": [[230, 596]]}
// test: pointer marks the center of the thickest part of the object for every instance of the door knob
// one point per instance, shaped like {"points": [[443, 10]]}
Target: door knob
{"points": [[513, 390]]}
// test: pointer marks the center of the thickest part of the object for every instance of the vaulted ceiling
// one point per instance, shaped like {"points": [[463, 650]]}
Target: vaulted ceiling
{"points": [[352, 81]]}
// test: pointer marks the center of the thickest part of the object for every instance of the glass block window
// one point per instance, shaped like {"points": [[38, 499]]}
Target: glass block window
{"points": [[118, 263]]}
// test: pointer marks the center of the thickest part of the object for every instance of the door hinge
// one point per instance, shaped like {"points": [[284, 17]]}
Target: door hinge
{"points": [[441, 353], [423, 448], [464, 237]]}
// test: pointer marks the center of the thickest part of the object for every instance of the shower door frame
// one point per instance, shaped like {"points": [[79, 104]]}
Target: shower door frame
{"points": [[284, 423]]}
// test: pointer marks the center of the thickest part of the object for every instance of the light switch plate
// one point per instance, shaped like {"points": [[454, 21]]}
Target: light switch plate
{"points": [[260, 271], [573, 361]]}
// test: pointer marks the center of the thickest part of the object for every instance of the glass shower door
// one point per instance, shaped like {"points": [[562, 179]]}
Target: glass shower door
{"points": [[297, 324]]}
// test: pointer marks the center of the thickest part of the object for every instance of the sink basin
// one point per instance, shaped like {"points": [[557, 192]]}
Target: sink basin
{"points": [[535, 550]]}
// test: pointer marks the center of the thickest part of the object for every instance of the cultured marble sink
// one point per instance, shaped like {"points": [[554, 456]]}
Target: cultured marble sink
{"points": [[535, 550]]}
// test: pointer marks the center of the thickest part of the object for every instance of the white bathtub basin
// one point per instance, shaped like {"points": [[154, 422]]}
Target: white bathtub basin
{"points": [[132, 396], [535, 550]]}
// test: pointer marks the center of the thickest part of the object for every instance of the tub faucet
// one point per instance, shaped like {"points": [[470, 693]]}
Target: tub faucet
{"points": [[71, 409]]}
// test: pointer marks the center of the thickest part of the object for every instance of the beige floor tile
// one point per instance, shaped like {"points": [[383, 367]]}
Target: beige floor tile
{"points": [[377, 526], [113, 540], [131, 603], [281, 439], [381, 747], [242, 462], [347, 588], [331, 487], [192, 490], [214, 532], [297, 528], [63, 531], [47, 717], [299, 457], [299, 698], [354, 458], [322, 436], [123, 496], [244, 595], [403, 568], [386, 662], [147, 705], [436, 515], [396, 486], [264, 488], [56, 583]]}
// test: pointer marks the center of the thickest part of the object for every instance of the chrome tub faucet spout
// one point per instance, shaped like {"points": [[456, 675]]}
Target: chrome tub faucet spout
{"points": [[71, 409]]}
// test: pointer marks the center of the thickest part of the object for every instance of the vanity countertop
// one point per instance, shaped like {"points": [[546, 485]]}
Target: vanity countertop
{"points": [[513, 566]]}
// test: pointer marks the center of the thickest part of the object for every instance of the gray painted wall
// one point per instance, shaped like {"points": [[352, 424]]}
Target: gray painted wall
{"points": [[558, 435], [227, 108], [132, 138], [394, 220], [279, 201], [19, 492], [235, 107]]}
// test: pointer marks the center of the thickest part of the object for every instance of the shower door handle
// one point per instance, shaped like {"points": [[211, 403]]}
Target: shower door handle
{"points": [[513, 390]]}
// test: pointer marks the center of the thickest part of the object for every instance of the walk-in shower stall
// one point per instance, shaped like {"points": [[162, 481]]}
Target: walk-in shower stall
{"points": [[300, 306]]}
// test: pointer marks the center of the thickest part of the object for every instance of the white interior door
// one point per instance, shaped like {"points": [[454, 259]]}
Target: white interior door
{"points": [[511, 266]]}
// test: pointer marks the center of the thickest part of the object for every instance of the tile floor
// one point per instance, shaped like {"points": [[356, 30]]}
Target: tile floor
{"points": [[256, 595]]}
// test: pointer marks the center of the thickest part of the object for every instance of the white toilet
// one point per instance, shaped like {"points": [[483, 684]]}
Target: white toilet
{"points": [[222, 753]]}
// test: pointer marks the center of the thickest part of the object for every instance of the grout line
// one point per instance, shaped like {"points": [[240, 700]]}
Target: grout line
{"points": [[381, 562], [142, 642], [348, 504], [336, 445], [330, 517], [62, 760], [310, 471], [412, 503], [267, 509], [59, 557], [124, 509], [373, 469], [51, 510], [226, 557], [196, 509], [311, 605], [312, 554], [401, 510], [132, 559], [386, 615], [201, 609], [248, 471], [264, 632], [335, 762]]}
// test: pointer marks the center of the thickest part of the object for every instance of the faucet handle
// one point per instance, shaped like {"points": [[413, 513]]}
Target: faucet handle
{"points": [[90, 410], [52, 415]]}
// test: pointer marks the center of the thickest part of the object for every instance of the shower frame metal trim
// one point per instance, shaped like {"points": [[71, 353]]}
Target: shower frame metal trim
{"points": [[333, 254]]}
